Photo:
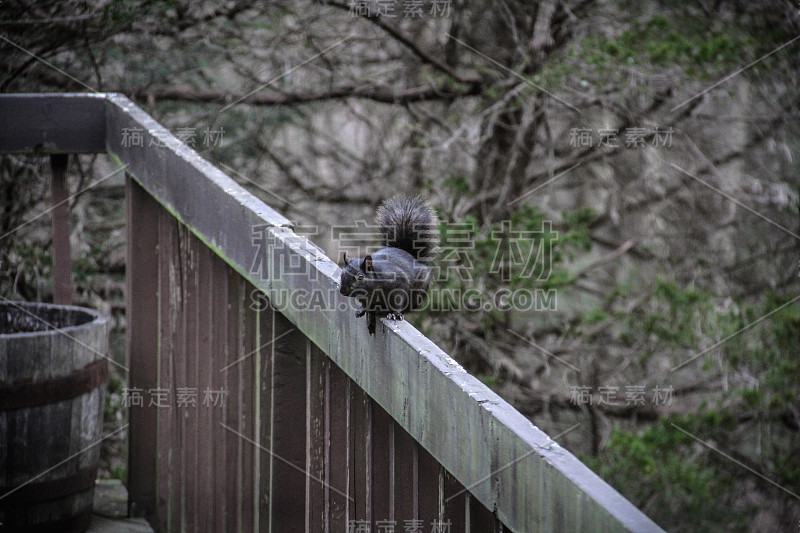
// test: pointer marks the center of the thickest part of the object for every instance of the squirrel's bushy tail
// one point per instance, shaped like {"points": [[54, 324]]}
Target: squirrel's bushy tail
{"points": [[410, 224]]}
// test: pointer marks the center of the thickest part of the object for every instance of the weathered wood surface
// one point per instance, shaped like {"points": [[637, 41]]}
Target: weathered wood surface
{"points": [[297, 445], [509, 465], [52, 389], [62, 262], [53, 123], [447, 429]]}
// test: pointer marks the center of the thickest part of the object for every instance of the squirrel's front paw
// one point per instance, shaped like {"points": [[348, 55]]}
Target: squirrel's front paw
{"points": [[394, 316], [360, 312]]}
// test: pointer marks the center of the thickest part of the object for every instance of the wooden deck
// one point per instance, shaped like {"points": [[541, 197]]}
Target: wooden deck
{"points": [[321, 427]]}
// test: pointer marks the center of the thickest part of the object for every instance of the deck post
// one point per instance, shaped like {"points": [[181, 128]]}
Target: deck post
{"points": [[62, 263], [142, 215]]}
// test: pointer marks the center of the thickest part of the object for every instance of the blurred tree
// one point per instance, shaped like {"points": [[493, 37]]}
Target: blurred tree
{"points": [[618, 183]]}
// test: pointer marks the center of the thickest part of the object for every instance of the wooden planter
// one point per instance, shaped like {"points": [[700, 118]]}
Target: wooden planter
{"points": [[52, 375]]}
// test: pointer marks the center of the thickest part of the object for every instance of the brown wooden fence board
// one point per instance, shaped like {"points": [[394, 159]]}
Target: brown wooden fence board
{"points": [[288, 457], [177, 373], [204, 465], [382, 458], [340, 489], [164, 433], [316, 398], [233, 381], [180, 444], [454, 502], [428, 488], [406, 504], [191, 449], [266, 328], [360, 464], [142, 213], [249, 354], [481, 519], [219, 436]]}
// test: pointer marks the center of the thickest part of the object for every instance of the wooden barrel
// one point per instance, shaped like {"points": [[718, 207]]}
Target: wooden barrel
{"points": [[52, 375]]}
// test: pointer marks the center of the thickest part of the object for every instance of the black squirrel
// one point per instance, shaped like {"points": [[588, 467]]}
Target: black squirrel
{"points": [[395, 279]]}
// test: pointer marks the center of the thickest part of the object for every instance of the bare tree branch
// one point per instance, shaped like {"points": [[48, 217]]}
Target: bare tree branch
{"points": [[410, 44], [370, 92]]}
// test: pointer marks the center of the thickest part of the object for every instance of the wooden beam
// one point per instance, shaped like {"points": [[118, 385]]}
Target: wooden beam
{"points": [[52, 123]]}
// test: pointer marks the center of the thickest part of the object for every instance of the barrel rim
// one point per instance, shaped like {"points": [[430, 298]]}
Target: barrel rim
{"points": [[98, 319]]}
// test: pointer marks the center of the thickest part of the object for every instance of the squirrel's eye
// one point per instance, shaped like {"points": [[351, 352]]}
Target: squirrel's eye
{"points": [[360, 276]]}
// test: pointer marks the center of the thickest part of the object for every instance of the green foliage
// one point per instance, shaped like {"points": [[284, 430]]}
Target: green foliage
{"points": [[515, 265], [528, 252], [673, 316], [458, 184], [489, 381], [595, 316], [85, 267], [667, 472], [670, 475], [119, 14], [113, 406], [33, 257], [701, 50], [119, 471]]}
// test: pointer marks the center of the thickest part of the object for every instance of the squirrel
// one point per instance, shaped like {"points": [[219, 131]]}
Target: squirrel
{"points": [[395, 279]]}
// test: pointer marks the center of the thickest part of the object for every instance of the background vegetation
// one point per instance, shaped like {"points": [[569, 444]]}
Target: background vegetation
{"points": [[673, 239]]}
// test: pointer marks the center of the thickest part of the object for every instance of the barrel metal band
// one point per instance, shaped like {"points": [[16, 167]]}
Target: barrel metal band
{"points": [[54, 390], [52, 489], [78, 522]]}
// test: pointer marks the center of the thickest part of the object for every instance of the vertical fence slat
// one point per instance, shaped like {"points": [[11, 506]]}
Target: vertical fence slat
{"points": [[249, 356], [167, 308], [455, 507], [339, 452], [62, 263], [178, 356], [141, 221], [360, 462], [233, 380], [255, 411], [188, 410], [289, 427], [405, 477], [428, 489], [204, 497], [176, 256], [220, 437], [265, 490], [480, 518], [382, 466], [315, 485]]}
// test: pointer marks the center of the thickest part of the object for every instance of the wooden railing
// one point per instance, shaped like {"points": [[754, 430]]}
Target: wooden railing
{"points": [[258, 419]]}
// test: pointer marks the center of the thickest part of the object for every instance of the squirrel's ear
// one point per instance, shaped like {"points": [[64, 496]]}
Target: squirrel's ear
{"points": [[366, 264], [345, 259]]}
